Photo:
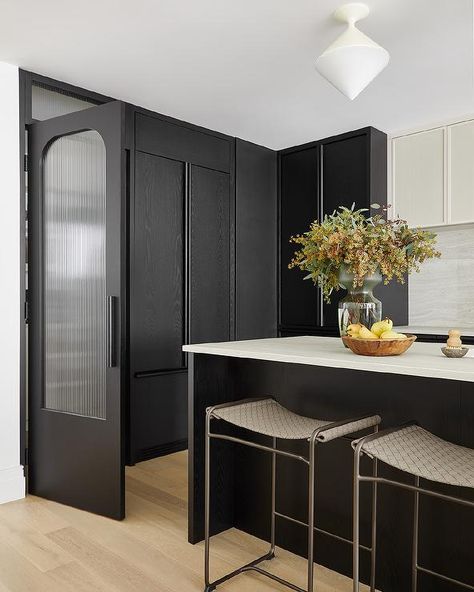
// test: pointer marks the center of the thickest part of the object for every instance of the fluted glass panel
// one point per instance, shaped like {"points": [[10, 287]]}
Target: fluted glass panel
{"points": [[46, 103], [75, 319]]}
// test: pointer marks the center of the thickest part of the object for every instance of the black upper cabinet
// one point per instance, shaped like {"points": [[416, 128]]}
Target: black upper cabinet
{"points": [[299, 301], [315, 179], [344, 173], [256, 241]]}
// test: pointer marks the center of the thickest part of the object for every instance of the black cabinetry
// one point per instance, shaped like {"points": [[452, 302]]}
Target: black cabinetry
{"points": [[181, 200], [315, 179], [203, 252]]}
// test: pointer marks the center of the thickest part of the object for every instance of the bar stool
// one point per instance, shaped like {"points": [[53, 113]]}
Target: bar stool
{"points": [[414, 450], [266, 416]]}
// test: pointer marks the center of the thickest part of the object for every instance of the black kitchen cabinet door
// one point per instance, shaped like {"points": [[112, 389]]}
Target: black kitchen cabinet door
{"points": [[299, 300], [157, 313], [344, 181], [344, 174], [256, 241], [160, 414], [209, 220], [157, 307]]}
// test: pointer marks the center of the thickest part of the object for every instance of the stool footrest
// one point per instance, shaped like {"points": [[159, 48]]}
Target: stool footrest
{"points": [[239, 570], [322, 531], [259, 446], [432, 493], [275, 578], [443, 577]]}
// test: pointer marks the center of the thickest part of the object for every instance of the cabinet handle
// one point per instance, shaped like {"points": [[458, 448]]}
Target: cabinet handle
{"points": [[111, 331]]}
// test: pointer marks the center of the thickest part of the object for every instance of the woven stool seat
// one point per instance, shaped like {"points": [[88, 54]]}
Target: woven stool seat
{"points": [[268, 417], [417, 451]]}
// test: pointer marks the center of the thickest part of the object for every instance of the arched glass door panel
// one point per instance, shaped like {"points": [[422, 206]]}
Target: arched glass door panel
{"points": [[74, 288]]}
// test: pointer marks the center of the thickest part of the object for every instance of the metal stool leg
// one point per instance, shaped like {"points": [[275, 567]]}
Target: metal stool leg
{"points": [[414, 564], [311, 476], [373, 552], [207, 496], [272, 534], [355, 517]]}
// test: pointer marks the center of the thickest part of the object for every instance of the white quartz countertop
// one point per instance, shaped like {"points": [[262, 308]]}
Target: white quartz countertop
{"points": [[422, 359]]}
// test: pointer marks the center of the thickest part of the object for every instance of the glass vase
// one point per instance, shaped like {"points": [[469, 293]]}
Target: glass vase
{"points": [[359, 305]]}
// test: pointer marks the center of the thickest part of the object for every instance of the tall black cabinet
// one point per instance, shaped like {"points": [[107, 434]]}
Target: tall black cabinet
{"points": [[315, 179], [202, 204], [181, 204]]}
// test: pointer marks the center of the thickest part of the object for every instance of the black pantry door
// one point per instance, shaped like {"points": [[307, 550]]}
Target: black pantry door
{"points": [[75, 392]]}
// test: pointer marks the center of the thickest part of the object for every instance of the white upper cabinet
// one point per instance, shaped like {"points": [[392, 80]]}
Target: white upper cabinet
{"points": [[418, 178], [433, 175], [461, 172]]}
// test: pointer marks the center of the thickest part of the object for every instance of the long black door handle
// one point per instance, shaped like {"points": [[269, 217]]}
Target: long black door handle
{"points": [[111, 331]]}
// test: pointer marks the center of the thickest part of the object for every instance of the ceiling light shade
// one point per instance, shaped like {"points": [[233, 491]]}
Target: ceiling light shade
{"points": [[353, 60]]}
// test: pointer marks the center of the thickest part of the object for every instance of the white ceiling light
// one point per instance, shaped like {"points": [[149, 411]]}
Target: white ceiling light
{"points": [[353, 60]]}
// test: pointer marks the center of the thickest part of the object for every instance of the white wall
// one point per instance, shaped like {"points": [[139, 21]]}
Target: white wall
{"points": [[12, 482]]}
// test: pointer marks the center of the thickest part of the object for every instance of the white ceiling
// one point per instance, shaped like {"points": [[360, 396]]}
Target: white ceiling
{"points": [[246, 67]]}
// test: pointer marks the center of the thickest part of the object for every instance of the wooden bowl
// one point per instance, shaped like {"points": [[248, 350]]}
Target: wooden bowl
{"points": [[378, 347]]}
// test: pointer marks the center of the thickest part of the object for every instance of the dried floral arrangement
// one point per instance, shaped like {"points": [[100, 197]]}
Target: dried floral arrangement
{"points": [[364, 245]]}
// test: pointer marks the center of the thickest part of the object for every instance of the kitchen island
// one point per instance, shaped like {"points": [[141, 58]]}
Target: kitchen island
{"points": [[318, 377]]}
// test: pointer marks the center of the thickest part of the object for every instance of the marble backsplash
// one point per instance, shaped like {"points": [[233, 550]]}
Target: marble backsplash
{"points": [[442, 294]]}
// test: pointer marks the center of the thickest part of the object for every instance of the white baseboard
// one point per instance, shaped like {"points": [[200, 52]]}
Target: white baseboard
{"points": [[12, 484]]}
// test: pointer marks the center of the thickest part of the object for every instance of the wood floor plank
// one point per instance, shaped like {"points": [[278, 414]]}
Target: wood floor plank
{"points": [[33, 513], [169, 480], [155, 494], [120, 575], [35, 548], [74, 577], [17, 574]]}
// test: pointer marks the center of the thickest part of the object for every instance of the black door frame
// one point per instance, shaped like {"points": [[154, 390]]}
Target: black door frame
{"points": [[26, 81]]}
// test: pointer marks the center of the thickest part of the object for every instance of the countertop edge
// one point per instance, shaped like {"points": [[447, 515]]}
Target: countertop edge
{"points": [[357, 364]]}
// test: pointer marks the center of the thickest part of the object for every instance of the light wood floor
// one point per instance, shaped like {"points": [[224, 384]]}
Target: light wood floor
{"points": [[47, 547]]}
